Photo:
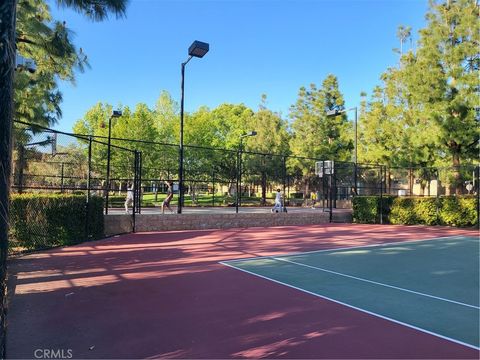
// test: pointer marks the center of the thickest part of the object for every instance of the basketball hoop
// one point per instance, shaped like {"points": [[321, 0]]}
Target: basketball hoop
{"points": [[319, 168], [325, 167]]}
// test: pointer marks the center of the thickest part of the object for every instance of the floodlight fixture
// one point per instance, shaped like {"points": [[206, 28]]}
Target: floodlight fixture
{"points": [[250, 133], [198, 49], [116, 113], [333, 112], [23, 63]]}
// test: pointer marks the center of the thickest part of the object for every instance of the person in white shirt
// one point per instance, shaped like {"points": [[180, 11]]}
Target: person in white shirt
{"points": [[129, 199], [278, 202]]}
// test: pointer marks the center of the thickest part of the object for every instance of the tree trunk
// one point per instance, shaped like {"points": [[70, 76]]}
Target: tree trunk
{"points": [[456, 173], [7, 68], [410, 181], [264, 188], [307, 189]]}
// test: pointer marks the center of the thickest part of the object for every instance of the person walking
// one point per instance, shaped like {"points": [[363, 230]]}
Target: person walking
{"points": [[278, 202], [166, 202], [129, 199]]}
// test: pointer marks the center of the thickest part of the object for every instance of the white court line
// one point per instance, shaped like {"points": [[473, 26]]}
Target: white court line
{"points": [[377, 283], [405, 242], [354, 307]]}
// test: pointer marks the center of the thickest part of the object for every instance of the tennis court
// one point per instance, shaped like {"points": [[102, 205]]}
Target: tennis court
{"points": [[361, 291], [430, 285]]}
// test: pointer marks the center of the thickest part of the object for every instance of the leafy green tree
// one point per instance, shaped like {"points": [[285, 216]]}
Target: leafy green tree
{"points": [[167, 118], [48, 43], [139, 125], [377, 131], [316, 135], [272, 138], [432, 98], [95, 123], [96, 9], [218, 128], [403, 33], [445, 73]]}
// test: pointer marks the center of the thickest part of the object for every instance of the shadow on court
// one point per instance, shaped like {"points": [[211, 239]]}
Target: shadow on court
{"points": [[164, 295]]}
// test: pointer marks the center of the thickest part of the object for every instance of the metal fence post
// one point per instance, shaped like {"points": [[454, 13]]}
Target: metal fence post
{"points": [[238, 181], [213, 187], [381, 195], [335, 194], [135, 187], [330, 195], [355, 171], [87, 205], [478, 195], [323, 187], [61, 177], [437, 196], [284, 175], [109, 154], [21, 160], [140, 182]]}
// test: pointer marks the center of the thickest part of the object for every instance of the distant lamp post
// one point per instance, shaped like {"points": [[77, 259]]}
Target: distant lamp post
{"points": [[335, 112], [115, 114], [238, 197], [197, 49]]}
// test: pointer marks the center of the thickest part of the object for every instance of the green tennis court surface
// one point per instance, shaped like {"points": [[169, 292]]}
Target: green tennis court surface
{"points": [[430, 285]]}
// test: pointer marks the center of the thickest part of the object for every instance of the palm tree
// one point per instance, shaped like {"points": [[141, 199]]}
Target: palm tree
{"points": [[96, 10]]}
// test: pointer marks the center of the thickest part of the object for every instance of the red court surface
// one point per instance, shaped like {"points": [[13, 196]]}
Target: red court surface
{"points": [[164, 295]]}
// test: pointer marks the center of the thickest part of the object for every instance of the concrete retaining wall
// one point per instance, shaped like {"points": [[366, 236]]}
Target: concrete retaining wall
{"points": [[117, 224]]}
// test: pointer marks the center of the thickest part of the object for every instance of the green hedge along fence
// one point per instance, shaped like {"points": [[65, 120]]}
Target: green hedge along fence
{"points": [[447, 210], [39, 221]]}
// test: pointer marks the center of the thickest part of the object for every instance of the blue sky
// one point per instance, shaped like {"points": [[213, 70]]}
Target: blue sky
{"points": [[256, 47]]}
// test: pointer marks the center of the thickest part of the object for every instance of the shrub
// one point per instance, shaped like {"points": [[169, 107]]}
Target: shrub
{"points": [[458, 211], [425, 210], [410, 211], [39, 221], [452, 210], [366, 209]]}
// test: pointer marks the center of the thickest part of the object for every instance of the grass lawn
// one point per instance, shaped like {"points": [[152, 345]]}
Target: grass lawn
{"points": [[148, 200]]}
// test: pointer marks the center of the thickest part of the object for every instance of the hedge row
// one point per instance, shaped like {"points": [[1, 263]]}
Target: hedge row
{"points": [[449, 210], [39, 221], [366, 209]]}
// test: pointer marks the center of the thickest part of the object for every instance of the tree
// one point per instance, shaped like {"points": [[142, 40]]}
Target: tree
{"points": [[314, 134], [167, 118], [272, 138], [445, 76], [95, 9], [48, 43], [139, 125], [377, 131], [432, 98], [403, 33]]}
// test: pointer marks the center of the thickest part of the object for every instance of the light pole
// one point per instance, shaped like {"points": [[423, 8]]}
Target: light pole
{"points": [[197, 49], [115, 114], [239, 169], [335, 112]]}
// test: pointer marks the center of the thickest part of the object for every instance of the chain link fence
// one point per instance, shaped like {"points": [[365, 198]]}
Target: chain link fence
{"points": [[48, 160]]}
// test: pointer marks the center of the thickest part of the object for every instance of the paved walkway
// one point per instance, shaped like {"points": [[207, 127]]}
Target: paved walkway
{"points": [[228, 210]]}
